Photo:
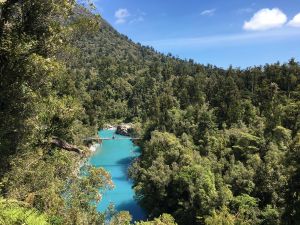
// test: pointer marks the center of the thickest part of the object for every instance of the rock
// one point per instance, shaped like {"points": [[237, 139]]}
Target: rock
{"points": [[93, 148], [109, 127], [124, 129]]}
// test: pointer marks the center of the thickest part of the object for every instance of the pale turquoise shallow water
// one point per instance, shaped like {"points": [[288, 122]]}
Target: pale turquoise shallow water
{"points": [[115, 156]]}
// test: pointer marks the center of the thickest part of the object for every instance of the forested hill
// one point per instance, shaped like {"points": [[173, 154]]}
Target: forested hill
{"points": [[110, 62], [219, 146], [107, 42]]}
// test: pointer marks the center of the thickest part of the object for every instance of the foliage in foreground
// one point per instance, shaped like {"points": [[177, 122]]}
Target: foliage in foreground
{"points": [[219, 146], [14, 212]]}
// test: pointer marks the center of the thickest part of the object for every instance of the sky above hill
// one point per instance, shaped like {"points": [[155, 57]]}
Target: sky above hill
{"points": [[233, 32]]}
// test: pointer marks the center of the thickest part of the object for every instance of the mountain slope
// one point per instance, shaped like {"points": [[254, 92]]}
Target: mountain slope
{"points": [[218, 146], [215, 141]]}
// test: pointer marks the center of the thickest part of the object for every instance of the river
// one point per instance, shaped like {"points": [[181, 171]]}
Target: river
{"points": [[116, 156]]}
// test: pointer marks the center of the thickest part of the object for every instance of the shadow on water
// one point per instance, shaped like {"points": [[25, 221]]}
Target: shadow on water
{"points": [[136, 151], [123, 178], [125, 161], [125, 164], [136, 212]]}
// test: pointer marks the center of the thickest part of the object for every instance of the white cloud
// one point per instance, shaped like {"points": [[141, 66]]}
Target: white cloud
{"points": [[208, 12], [138, 17], [266, 19], [295, 22], [121, 16]]}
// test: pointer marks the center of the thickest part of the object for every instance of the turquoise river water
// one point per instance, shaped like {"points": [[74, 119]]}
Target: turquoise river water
{"points": [[116, 156]]}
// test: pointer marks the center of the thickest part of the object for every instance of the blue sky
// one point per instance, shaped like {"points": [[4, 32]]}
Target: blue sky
{"points": [[234, 32]]}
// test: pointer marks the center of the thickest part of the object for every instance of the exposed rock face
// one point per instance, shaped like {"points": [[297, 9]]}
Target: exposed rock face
{"points": [[124, 129], [109, 127]]}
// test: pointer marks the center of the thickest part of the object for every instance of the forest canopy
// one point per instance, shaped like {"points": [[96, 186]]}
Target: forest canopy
{"points": [[219, 146]]}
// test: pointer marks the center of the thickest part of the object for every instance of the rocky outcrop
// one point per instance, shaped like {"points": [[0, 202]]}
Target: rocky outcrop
{"points": [[109, 127], [124, 129]]}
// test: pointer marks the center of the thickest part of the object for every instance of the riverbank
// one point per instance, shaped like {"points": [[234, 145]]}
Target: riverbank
{"points": [[109, 127], [94, 147]]}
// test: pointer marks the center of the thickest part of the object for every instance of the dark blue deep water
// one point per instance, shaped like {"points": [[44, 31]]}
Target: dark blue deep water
{"points": [[116, 156]]}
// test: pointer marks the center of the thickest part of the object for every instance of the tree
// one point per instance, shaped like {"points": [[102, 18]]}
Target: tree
{"points": [[164, 219], [121, 218], [30, 38], [292, 210], [222, 217], [14, 212]]}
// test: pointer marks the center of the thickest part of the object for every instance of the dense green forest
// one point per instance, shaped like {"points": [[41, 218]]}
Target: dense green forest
{"points": [[220, 146]]}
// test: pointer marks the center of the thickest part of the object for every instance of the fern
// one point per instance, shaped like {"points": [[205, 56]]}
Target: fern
{"points": [[14, 212]]}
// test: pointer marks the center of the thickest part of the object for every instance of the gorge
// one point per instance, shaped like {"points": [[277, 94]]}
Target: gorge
{"points": [[115, 156]]}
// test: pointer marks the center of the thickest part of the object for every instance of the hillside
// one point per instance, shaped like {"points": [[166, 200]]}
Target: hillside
{"points": [[219, 146], [217, 143], [113, 64]]}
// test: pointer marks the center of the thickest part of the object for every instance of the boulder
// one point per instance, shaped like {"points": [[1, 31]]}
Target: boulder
{"points": [[124, 129]]}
